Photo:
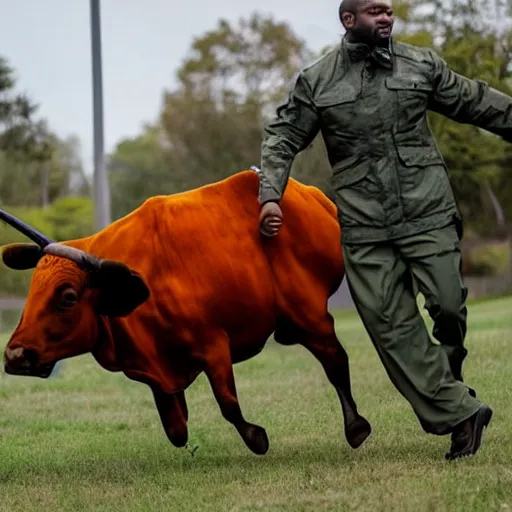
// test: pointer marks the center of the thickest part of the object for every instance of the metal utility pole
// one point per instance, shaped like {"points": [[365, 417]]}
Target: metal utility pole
{"points": [[101, 186]]}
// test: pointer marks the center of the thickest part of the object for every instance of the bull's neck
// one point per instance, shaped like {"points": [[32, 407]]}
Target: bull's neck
{"points": [[104, 349], [117, 350]]}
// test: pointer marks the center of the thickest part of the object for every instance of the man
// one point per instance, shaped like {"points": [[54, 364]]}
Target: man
{"points": [[400, 222]]}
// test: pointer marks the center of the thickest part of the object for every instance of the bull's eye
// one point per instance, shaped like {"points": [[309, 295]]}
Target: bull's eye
{"points": [[68, 298]]}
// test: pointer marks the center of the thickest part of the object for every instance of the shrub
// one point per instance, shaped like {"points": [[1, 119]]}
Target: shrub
{"points": [[66, 219], [489, 260]]}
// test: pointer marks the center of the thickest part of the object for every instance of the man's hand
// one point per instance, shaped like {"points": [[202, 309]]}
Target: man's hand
{"points": [[271, 219]]}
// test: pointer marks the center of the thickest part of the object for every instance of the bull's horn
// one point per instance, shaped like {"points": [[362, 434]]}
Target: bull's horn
{"points": [[81, 258], [28, 231]]}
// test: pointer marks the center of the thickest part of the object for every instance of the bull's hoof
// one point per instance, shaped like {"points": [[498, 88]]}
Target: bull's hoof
{"points": [[357, 432], [256, 439]]}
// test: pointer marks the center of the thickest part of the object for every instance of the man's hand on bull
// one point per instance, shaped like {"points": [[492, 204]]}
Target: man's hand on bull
{"points": [[271, 219]]}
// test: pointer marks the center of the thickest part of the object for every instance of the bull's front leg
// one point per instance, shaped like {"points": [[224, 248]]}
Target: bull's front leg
{"points": [[173, 412], [219, 371]]}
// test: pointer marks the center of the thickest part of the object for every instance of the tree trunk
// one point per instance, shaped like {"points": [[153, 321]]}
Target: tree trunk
{"points": [[498, 211], [45, 184]]}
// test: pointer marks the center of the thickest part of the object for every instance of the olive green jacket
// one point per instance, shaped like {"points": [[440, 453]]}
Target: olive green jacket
{"points": [[389, 179]]}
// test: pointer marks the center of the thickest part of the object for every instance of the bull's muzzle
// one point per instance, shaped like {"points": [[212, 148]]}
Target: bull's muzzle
{"points": [[20, 361]]}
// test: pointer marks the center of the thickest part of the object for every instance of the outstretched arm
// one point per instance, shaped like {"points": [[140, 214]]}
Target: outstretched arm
{"points": [[291, 130], [470, 101]]}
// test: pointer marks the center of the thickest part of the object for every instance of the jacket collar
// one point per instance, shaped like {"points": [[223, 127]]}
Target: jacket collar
{"points": [[356, 52]]}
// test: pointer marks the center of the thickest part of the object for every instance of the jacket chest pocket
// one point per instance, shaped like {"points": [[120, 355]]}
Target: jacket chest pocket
{"points": [[413, 94], [338, 108]]}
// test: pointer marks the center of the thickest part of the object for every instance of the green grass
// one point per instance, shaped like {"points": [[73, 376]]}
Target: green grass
{"points": [[91, 440]]}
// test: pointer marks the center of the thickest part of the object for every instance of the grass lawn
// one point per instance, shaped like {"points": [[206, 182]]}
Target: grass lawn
{"points": [[91, 440]]}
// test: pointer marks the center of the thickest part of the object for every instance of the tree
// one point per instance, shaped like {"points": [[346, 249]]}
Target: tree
{"points": [[35, 165], [139, 168], [232, 77], [37, 179], [252, 62], [20, 134], [210, 124], [16, 112]]}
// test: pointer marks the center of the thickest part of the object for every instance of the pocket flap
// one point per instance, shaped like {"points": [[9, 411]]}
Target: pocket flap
{"points": [[419, 156], [349, 172], [342, 93], [408, 83]]}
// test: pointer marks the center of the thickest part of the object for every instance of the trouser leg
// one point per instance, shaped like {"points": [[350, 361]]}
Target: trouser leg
{"points": [[381, 287], [435, 260]]}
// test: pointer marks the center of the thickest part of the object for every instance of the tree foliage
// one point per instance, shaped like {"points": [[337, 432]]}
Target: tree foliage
{"points": [[66, 219], [210, 125], [36, 167]]}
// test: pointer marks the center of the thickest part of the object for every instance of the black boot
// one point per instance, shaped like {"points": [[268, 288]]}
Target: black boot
{"points": [[467, 436]]}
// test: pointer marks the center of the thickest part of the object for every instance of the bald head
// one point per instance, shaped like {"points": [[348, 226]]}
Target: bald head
{"points": [[366, 20], [355, 6]]}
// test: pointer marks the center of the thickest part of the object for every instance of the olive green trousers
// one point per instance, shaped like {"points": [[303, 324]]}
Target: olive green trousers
{"points": [[381, 280]]}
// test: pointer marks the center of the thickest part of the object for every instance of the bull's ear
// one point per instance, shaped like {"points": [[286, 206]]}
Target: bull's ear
{"points": [[121, 289], [21, 256]]}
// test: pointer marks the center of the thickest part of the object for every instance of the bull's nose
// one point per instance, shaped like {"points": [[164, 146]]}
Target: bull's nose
{"points": [[14, 354], [20, 357]]}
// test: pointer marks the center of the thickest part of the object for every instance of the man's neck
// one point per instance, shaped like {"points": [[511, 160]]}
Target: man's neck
{"points": [[355, 39]]}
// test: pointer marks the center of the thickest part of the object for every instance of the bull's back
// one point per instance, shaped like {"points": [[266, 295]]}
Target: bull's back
{"points": [[205, 263], [303, 265], [205, 260]]}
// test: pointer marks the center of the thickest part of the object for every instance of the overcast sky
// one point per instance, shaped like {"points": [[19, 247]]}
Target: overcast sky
{"points": [[144, 42]]}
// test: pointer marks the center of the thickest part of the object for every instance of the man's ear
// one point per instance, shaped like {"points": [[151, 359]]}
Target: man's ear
{"points": [[348, 20], [21, 256], [121, 289]]}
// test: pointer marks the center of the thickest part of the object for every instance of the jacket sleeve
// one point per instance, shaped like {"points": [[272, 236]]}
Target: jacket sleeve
{"points": [[291, 130], [470, 101]]}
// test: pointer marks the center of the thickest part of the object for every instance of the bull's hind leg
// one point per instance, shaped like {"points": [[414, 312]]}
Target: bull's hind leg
{"points": [[173, 412], [219, 370], [325, 346]]}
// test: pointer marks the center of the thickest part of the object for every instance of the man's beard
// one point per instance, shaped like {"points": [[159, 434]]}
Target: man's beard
{"points": [[371, 37]]}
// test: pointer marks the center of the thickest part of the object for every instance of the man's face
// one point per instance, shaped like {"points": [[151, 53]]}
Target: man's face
{"points": [[373, 21]]}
